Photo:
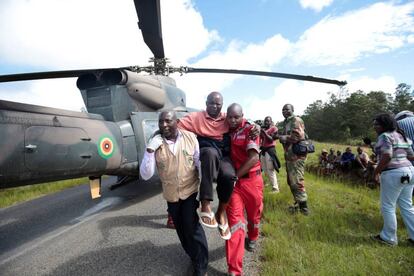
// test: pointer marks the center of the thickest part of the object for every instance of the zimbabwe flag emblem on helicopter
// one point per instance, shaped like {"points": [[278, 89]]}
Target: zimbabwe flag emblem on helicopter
{"points": [[106, 147]]}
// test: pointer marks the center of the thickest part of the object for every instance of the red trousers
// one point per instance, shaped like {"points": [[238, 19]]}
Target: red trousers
{"points": [[247, 196]]}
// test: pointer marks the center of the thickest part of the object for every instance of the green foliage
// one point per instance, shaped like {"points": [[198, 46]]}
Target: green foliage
{"points": [[350, 118], [403, 98], [334, 239]]}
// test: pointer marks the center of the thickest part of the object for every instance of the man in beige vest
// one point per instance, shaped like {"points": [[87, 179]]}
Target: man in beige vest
{"points": [[175, 153]]}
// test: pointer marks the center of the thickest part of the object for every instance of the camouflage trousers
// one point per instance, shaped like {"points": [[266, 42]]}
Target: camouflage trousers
{"points": [[296, 180]]}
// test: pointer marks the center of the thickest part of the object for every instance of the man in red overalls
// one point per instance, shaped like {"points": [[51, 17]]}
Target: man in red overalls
{"points": [[247, 195]]}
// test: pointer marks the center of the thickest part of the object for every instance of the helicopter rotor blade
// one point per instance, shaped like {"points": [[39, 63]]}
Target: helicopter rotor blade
{"points": [[51, 74], [264, 73], [44, 75], [149, 21]]}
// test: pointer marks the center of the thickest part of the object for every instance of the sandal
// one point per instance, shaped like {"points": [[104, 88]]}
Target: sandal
{"points": [[212, 223], [223, 229]]}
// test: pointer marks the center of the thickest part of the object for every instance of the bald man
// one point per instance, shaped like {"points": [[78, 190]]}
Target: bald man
{"points": [[247, 195], [210, 126]]}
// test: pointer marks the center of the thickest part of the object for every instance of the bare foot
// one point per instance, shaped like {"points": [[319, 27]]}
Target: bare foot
{"points": [[205, 206]]}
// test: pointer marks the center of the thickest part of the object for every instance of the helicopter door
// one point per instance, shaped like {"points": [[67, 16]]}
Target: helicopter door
{"points": [[144, 124], [49, 149]]}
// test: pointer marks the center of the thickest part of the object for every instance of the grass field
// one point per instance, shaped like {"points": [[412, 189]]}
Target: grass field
{"points": [[334, 239], [12, 196]]}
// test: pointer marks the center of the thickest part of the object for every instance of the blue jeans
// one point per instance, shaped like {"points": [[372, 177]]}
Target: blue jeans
{"points": [[393, 192]]}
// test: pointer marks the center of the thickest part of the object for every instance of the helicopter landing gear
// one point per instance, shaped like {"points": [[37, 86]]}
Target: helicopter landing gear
{"points": [[122, 180]]}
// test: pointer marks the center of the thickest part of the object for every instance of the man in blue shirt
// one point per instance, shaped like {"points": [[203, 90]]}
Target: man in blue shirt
{"points": [[347, 160]]}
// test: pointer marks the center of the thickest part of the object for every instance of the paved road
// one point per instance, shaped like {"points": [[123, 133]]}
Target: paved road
{"points": [[123, 233]]}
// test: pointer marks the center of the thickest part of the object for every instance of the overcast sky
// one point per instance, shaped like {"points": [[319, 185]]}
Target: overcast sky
{"points": [[367, 43]]}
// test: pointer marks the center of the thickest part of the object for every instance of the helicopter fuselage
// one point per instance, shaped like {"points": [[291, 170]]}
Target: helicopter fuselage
{"points": [[42, 144]]}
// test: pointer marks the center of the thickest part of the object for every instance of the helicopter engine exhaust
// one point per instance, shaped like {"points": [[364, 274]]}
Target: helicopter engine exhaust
{"points": [[87, 80], [143, 89]]}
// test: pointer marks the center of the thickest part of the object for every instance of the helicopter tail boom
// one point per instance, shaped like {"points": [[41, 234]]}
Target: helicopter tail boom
{"points": [[41, 145]]}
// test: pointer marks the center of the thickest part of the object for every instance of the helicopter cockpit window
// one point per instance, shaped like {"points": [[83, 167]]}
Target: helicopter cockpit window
{"points": [[149, 126]]}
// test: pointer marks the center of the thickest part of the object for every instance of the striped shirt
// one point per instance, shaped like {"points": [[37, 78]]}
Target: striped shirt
{"points": [[393, 143], [407, 124]]}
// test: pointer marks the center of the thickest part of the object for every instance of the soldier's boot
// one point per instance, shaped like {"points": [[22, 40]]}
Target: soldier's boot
{"points": [[249, 245], [293, 209], [303, 208]]}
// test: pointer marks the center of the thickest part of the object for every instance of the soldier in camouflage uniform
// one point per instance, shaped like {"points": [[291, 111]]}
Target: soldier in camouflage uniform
{"points": [[293, 132]]}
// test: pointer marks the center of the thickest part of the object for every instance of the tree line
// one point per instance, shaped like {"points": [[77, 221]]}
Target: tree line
{"points": [[348, 119]]}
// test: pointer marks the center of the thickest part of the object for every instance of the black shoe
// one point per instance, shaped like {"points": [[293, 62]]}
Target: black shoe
{"points": [[303, 208], [410, 242], [249, 245], [192, 271], [304, 211], [293, 209], [381, 240]]}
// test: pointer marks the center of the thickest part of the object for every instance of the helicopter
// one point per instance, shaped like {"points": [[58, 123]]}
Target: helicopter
{"points": [[42, 144]]}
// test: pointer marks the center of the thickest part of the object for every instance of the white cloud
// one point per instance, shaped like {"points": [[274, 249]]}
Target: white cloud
{"points": [[379, 28], [77, 33], [301, 94], [61, 35], [298, 93], [260, 56], [58, 93], [236, 56], [182, 40], [316, 5], [352, 70], [384, 83]]}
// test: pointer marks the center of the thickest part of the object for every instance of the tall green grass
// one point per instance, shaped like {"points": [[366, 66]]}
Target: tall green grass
{"points": [[12, 196], [334, 239]]}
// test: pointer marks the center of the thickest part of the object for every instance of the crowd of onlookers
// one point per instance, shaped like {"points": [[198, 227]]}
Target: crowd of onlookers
{"points": [[337, 163]]}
